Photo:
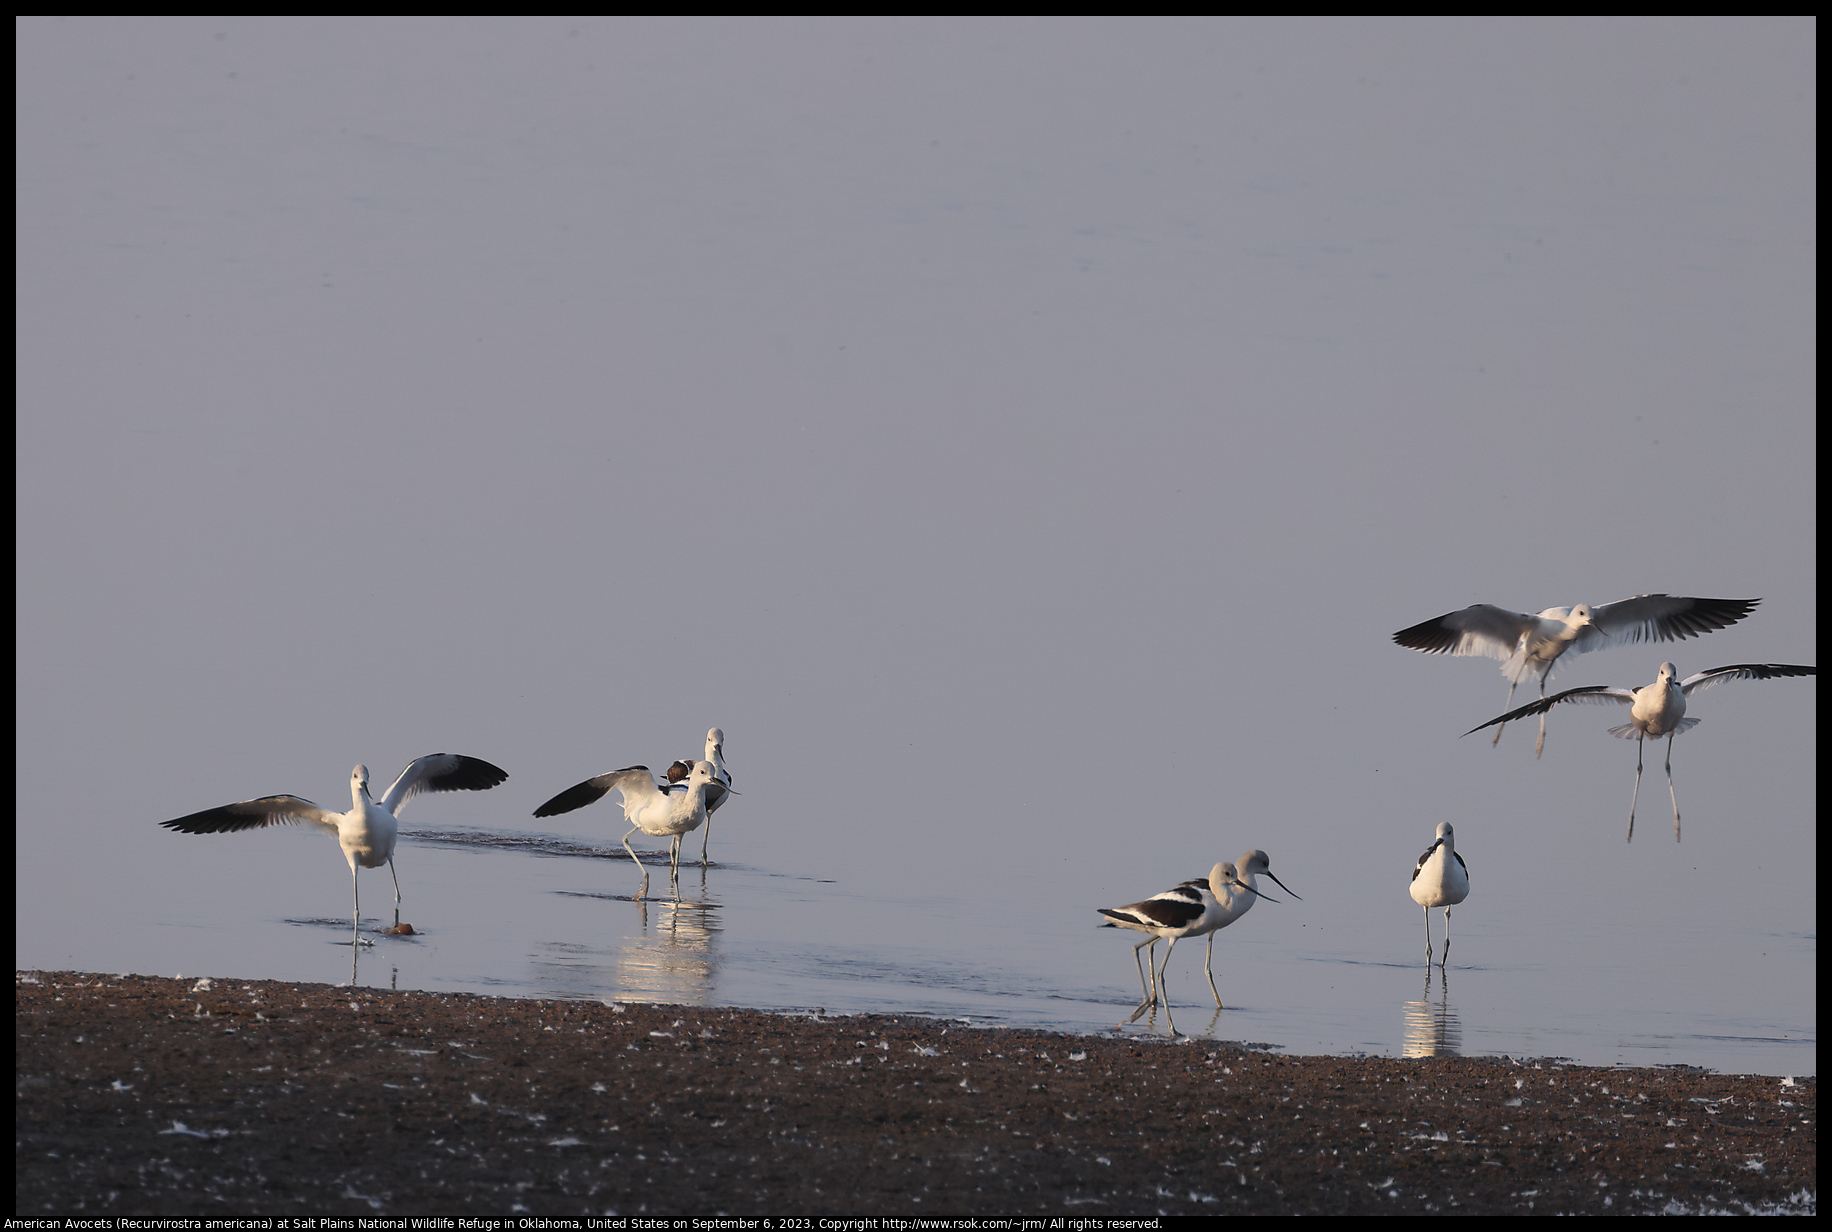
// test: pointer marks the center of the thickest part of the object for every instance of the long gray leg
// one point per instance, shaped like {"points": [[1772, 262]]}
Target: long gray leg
{"points": [[705, 838], [1507, 706], [1428, 936], [1144, 989], [1541, 746], [1670, 791], [1632, 799], [1446, 959], [639, 866], [397, 891], [356, 909], [1151, 996], [1163, 993], [1209, 966]]}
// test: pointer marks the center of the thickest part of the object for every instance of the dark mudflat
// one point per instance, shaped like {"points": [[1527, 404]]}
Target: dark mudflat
{"points": [[150, 1096]]}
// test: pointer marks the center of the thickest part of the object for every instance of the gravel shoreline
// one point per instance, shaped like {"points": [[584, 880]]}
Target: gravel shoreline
{"points": [[147, 1096]]}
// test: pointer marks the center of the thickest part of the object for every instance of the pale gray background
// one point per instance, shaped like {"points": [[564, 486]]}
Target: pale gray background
{"points": [[1022, 436]]}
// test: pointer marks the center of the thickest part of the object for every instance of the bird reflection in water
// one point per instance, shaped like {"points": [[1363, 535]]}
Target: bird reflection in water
{"points": [[1432, 1027], [670, 959]]}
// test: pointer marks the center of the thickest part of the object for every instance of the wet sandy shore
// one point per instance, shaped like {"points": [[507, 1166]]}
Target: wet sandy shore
{"points": [[150, 1096]]}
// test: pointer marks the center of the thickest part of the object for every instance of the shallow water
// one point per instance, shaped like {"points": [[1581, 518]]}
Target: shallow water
{"points": [[542, 915], [1061, 447]]}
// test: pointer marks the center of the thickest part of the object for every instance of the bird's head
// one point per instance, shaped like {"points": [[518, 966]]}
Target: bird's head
{"points": [[1258, 862], [706, 772]]}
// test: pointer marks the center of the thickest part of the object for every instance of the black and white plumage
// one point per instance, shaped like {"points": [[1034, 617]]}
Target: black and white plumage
{"points": [[715, 793], [647, 806], [1195, 908], [367, 832], [1173, 913], [1657, 709], [1531, 644], [1440, 879]]}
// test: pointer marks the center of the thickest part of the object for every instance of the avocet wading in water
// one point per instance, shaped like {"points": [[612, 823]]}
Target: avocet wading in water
{"points": [[1530, 645], [1657, 709], [1440, 879], [367, 832], [646, 806], [715, 793], [1198, 907]]}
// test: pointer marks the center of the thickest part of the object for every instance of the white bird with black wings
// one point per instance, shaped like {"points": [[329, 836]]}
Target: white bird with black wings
{"points": [[1531, 644], [367, 832], [647, 806], [1657, 709]]}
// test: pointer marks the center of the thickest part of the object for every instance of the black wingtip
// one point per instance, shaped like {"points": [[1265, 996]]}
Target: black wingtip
{"points": [[574, 797], [1429, 637], [1764, 671], [217, 821], [1710, 615], [472, 774]]}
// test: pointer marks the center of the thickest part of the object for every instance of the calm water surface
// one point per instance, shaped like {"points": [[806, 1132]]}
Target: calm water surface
{"points": [[538, 915]]}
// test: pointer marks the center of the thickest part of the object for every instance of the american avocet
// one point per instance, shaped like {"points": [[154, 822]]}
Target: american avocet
{"points": [[1532, 644], [646, 807], [1657, 709], [716, 792], [1195, 908], [1173, 913], [366, 833], [1237, 902], [1440, 879]]}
